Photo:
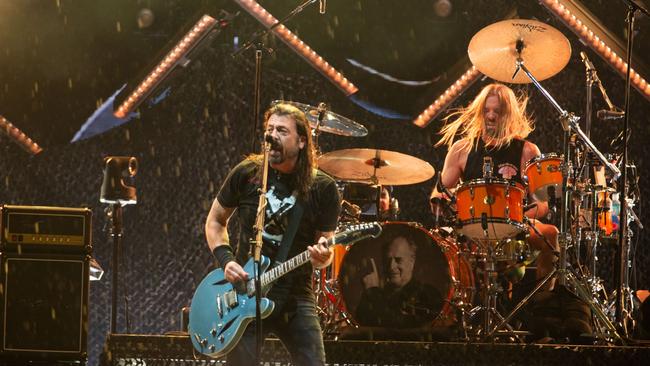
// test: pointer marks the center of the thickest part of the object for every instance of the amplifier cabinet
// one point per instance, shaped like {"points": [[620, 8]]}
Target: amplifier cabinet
{"points": [[44, 306], [45, 229]]}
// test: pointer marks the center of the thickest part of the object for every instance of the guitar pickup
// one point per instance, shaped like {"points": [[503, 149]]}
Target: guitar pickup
{"points": [[230, 298], [219, 307]]}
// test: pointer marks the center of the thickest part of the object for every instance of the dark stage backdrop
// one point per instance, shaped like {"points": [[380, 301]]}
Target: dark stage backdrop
{"points": [[187, 144]]}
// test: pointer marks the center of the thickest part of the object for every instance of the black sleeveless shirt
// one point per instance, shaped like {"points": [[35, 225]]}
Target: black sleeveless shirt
{"points": [[506, 161]]}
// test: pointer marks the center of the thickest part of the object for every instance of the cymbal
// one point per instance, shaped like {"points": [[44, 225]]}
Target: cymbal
{"points": [[332, 122], [545, 51], [375, 166]]}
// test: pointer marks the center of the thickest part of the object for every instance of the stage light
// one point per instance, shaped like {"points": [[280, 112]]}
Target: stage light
{"points": [[448, 96], [19, 137], [291, 40], [595, 35], [176, 56], [442, 8]]}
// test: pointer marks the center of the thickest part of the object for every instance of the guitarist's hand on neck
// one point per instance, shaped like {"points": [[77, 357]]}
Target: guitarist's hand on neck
{"points": [[321, 255]]}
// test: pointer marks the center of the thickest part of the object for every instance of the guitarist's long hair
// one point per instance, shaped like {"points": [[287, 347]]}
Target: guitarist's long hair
{"points": [[303, 176]]}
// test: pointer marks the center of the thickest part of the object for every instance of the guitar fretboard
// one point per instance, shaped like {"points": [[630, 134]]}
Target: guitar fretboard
{"points": [[353, 234], [286, 267]]}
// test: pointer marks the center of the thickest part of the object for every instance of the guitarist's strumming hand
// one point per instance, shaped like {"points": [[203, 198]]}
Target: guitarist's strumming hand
{"points": [[320, 254], [235, 273]]}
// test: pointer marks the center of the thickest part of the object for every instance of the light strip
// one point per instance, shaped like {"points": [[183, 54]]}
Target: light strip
{"points": [[174, 57], [19, 137], [574, 15], [292, 40], [448, 96]]}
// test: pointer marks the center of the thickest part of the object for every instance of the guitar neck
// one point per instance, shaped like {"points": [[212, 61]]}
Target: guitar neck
{"points": [[280, 270]]}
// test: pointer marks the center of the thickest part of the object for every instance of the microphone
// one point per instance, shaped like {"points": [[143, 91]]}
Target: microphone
{"points": [[394, 208], [271, 141], [322, 5], [530, 206], [586, 61], [605, 114]]}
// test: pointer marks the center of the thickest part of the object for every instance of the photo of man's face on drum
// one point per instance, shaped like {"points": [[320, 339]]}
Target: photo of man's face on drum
{"points": [[400, 280], [400, 260]]}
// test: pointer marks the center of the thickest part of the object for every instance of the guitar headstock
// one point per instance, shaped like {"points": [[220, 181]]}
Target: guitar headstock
{"points": [[356, 232]]}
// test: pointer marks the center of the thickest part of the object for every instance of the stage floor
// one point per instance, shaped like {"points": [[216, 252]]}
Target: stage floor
{"points": [[135, 349]]}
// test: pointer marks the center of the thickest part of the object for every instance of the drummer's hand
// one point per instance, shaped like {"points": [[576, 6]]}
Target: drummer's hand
{"points": [[235, 273], [372, 279], [436, 208], [320, 255]]}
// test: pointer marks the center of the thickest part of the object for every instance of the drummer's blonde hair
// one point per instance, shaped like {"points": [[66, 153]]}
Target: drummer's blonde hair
{"points": [[470, 120]]}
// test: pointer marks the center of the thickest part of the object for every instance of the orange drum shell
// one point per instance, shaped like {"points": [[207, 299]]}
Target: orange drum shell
{"points": [[543, 172], [474, 195]]}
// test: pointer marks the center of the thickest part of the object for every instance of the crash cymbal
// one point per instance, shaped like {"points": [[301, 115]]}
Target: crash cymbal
{"points": [[544, 50], [375, 166], [332, 122]]}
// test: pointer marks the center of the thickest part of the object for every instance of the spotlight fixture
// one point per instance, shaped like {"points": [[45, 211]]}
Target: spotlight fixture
{"points": [[118, 171], [448, 96], [595, 35], [300, 47], [19, 137], [178, 55]]}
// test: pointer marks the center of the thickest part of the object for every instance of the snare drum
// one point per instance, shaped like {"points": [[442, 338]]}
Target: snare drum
{"points": [[544, 172], [439, 276], [490, 209]]}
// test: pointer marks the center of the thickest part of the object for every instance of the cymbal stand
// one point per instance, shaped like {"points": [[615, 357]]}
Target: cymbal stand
{"points": [[570, 124], [630, 302], [322, 110], [621, 261], [329, 305]]}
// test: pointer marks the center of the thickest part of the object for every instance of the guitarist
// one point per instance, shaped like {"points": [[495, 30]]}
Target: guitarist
{"points": [[303, 209]]}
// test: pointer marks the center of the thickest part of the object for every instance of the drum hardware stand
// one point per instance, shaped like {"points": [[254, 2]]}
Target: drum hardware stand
{"points": [[570, 123], [629, 297], [621, 262], [315, 132], [492, 289]]}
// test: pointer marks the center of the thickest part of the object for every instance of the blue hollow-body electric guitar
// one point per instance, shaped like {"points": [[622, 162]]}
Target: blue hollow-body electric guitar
{"points": [[220, 313]]}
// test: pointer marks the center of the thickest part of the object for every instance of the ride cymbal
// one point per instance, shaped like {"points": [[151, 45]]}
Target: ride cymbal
{"points": [[495, 49]]}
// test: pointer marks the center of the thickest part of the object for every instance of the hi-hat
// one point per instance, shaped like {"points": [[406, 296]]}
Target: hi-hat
{"points": [[332, 122], [495, 49], [375, 167]]}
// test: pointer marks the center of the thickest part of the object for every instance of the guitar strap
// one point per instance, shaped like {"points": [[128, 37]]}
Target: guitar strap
{"points": [[295, 217]]}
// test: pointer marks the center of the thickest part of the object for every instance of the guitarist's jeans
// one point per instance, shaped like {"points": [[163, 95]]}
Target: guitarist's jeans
{"points": [[299, 330]]}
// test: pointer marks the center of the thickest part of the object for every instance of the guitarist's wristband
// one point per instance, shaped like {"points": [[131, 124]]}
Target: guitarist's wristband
{"points": [[224, 254]]}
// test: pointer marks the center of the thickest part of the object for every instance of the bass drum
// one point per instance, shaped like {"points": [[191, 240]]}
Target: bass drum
{"points": [[406, 278]]}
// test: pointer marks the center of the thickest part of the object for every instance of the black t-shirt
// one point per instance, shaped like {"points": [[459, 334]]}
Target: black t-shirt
{"points": [[506, 160], [321, 208]]}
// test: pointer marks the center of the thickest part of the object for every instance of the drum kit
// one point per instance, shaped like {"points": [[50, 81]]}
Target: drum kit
{"points": [[486, 216]]}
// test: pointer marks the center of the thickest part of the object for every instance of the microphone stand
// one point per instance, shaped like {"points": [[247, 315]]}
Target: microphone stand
{"points": [[621, 262], [256, 39], [257, 253]]}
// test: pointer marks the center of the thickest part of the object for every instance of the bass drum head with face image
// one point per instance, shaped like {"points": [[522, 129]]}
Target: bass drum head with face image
{"points": [[411, 293]]}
